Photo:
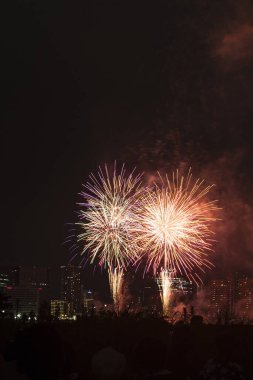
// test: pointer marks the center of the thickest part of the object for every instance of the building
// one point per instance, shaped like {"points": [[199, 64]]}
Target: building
{"points": [[88, 299], [8, 276], [177, 284], [23, 299], [4, 280], [60, 309], [24, 276], [71, 286], [181, 285], [25, 287], [33, 276], [148, 296], [181, 289], [221, 299], [231, 298], [244, 297]]}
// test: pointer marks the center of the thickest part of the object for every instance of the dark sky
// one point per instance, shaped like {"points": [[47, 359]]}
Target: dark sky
{"points": [[159, 85]]}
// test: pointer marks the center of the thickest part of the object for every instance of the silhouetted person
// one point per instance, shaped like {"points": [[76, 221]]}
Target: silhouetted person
{"points": [[197, 320], [223, 366], [40, 353], [149, 360], [108, 364], [181, 345]]}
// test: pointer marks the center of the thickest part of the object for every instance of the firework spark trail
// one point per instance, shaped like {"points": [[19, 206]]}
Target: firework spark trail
{"points": [[107, 219], [116, 282], [165, 277], [174, 228]]}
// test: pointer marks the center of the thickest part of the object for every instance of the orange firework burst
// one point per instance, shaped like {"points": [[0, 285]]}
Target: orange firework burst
{"points": [[174, 225], [174, 229]]}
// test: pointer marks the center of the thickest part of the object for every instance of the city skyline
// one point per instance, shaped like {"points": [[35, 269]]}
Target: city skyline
{"points": [[229, 298]]}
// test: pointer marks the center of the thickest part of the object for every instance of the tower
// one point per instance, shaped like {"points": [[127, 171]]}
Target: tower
{"points": [[71, 286]]}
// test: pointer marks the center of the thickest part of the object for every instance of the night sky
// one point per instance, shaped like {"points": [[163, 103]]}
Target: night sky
{"points": [[158, 85]]}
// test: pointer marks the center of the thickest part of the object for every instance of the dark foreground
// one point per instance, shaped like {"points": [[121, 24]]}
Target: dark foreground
{"points": [[124, 348]]}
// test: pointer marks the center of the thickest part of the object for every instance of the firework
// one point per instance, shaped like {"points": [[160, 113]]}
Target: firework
{"points": [[165, 277], [116, 282], [107, 220], [174, 229]]}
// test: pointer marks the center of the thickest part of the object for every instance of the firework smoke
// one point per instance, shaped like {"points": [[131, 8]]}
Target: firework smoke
{"points": [[107, 219]]}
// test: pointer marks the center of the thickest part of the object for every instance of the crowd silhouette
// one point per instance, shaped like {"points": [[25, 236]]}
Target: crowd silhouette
{"points": [[122, 348]]}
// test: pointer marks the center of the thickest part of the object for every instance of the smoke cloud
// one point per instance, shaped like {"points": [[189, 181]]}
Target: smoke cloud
{"points": [[234, 233], [236, 46]]}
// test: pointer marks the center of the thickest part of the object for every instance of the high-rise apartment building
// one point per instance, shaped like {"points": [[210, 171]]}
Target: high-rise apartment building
{"points": [[60, 309], [71, 286], [221, 298], [244, 297], [88, 299]]}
